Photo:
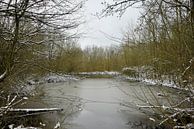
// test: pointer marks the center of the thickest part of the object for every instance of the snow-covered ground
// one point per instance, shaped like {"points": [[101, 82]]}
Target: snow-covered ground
{"points": [[143, 74], [151, 81], [139, 74], [110, 73]]}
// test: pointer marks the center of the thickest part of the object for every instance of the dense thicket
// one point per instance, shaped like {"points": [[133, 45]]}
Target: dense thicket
{"points": [[165, 40], [71, 58], [30, 32]]}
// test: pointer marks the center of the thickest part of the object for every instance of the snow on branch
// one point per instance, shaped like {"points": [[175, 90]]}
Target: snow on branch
{"points": [[188, 67], [2, 76]]}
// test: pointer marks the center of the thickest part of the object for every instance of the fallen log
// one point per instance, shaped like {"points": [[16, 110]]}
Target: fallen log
{"points": [[30, 111]]}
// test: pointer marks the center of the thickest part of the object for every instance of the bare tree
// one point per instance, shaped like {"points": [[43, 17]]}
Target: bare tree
{"points": [[120, 6], [28, 22]]}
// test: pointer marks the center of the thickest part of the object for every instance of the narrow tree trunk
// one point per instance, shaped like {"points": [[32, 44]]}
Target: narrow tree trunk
{"points": [[192, 16], [192, 10], [14, 43]]}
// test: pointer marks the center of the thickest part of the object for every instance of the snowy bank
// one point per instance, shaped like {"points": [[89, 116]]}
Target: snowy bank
{"points": [[28, 87], [53, 78], [97, 73], [150, 81], [147, 75]]}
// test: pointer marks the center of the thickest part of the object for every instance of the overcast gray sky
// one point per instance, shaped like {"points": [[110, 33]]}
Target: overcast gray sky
{"points": [[95, 29]]}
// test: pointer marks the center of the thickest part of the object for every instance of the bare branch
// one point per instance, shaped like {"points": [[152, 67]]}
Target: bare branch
{"points": [[2, 76]]}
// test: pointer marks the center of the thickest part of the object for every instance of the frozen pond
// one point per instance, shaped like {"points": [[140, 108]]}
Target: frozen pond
{"points": [[98, 103]]}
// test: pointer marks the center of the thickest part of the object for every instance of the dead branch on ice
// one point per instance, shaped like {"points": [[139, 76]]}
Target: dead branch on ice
{"points": [[28, 110]]}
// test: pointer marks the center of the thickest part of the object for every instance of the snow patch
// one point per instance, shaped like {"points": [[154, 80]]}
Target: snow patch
{"points": [[112, 73], [22, 127], [57, 125]]}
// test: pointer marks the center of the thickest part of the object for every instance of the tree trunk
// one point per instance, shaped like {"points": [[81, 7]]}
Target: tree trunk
{"points": [[192, 10], [192, 16]]}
